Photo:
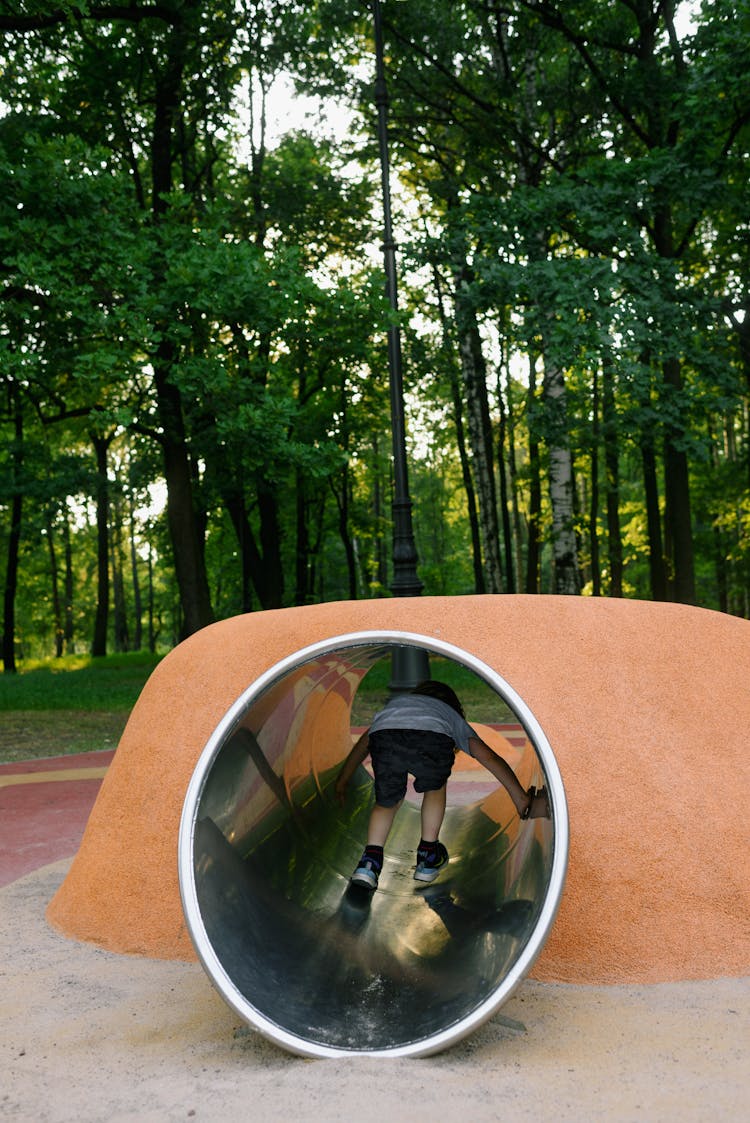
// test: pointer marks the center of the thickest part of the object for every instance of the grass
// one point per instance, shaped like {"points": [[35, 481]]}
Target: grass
{"points": [[35, 734], [75, 704], [78, 682], [79, 704]]}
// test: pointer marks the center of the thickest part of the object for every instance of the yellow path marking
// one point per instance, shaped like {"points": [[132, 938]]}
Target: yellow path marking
{"points": [[14, 778]]}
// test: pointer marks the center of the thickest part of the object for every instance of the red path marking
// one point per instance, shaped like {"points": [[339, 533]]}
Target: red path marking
{"points": [[42, 820]]}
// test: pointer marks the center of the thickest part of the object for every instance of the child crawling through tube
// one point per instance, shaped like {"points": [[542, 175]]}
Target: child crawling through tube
{"points": [[419, 733]]}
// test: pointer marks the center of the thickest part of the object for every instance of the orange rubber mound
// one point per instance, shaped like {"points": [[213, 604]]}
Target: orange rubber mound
{"points": [[647, 710]]}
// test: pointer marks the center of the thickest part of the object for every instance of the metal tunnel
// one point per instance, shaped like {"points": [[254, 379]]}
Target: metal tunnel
{"points": [[265, 854]]}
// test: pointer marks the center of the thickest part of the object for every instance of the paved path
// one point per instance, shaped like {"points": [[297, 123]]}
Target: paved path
{"points": [[44, 806]]}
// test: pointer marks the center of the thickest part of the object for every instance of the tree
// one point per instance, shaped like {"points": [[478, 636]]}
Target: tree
{"points": [[197, 302], [661, 100]]}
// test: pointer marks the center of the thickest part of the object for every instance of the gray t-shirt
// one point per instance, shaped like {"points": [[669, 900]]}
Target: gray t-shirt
{"points": [[419, 711]]}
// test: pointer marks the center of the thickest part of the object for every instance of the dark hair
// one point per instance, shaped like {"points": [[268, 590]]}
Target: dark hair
{"points": [[440, 690]]}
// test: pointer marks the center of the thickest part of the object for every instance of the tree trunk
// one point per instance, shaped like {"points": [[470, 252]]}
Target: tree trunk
{"points": [[69, 585], [596, 580], [301, 543], [742, 328], [99, 641], [657, 567], [612, 470], [14, 539], [317, 521], [57, 614], [458, 420], [567, 574], [677, 516], [720, 551], [381, 549], [510, 581], [513, 475], [480, 437], [677, 512], [257, 570], [471, 495], [150, 610], [342, 505], [182, 518], [250, 561], [533, 552], [135, 580], [270, 544], [120, 617]]}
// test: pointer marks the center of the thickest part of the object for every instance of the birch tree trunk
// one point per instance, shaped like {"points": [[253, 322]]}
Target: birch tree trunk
{"points": [[510, 573], [533, 549], [54, 570], [478, 419], [565, 554]]}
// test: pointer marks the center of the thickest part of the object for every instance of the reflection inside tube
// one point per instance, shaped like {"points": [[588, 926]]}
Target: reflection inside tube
{"points": [[330, 963]]}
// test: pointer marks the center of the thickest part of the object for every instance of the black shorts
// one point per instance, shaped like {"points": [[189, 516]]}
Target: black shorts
{"points": [[397, 752]]}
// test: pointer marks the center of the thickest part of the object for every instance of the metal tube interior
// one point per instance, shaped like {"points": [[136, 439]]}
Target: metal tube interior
{"points": [[265, 855]]}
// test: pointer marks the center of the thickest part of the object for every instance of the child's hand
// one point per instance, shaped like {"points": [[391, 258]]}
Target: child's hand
{"points": [[538, 807]]}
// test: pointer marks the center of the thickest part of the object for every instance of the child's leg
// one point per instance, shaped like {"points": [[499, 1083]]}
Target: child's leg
{"points": [[381, 821], [433, 810], [371, 862], [431, 854]]}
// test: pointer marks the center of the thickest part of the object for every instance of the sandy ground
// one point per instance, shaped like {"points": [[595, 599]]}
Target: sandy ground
{"points": [[91, 1036], [650, 731]]}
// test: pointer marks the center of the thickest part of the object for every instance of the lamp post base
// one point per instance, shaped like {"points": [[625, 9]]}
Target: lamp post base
{"points": [[409, 667]]}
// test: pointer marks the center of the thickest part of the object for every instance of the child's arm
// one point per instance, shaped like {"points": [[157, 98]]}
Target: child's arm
{"points": [[351, 764], [529, 804]]}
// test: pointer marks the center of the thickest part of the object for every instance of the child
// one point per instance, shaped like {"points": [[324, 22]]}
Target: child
{"points": [[418, 733]]}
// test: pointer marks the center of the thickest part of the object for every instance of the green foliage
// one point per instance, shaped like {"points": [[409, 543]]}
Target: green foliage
{"points": [[570, 180]]}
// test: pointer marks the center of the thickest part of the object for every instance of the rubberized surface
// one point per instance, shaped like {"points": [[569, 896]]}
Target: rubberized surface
{"points": [[645, 706], [44, 806]]}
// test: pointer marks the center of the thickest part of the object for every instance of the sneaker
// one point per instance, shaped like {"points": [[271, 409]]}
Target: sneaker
{"points": [[366, 874], [429, 868]]}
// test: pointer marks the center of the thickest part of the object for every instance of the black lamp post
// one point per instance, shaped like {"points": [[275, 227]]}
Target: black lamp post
{"points": [[410, 665]]}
